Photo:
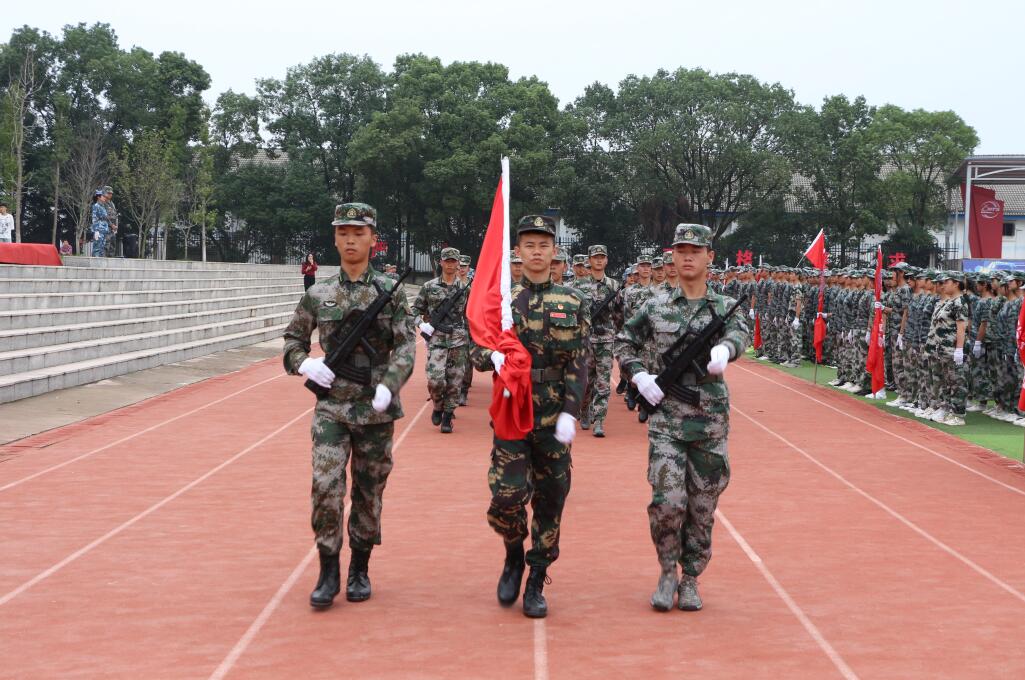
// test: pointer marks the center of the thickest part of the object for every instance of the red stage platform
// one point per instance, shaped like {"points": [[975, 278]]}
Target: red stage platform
{"points": [[29, 253]]}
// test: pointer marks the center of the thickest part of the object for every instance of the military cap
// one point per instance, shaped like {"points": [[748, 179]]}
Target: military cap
{"points": [[514, 258], [560, 257], [657, 263], [579, 258], [355, 214], [597, 250], [539, 224], [901, 266], [587, 265], [950, 276], [106, 189], [449, 253], [1017, 275], [693, 234], [644, 259], [464, 260]]}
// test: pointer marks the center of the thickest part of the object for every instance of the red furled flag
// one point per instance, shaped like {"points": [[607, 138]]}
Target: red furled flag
{"points": [[875, 364], [489, 311], [1021, 353], [816, 252], [757, 342], [820, 323]]}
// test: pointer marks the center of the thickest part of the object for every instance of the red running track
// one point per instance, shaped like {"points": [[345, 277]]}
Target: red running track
{"points": [[171, 539]]}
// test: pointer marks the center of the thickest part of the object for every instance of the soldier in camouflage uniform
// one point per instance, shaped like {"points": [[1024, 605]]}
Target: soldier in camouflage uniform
{"points": [[633, 297], [672, 279], [945, 344], [353, 419], [896, 310], [551, 322], [446, 348], [579, 270], [795, 310], [559, 268], [464, 279], [688, 463], [1008, 369], [110, 245], [981, 386], [594, 290]]}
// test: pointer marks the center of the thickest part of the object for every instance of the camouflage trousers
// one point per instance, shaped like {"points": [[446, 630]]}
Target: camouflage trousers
{"points": [[100, 244], [794, 342], [898, 358], [110, 245], [687, 478], [599, 379], [534, 470], [369, 447], [952, 384], [467, 375], [446, 370], [1008, 382], [585, 406]]}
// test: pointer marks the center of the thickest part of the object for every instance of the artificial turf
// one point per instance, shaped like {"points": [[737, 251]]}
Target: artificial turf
{"points": [[1003, 438]]}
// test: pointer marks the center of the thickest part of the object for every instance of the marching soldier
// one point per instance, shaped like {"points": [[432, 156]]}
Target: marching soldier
{"points": [[446, 346], [597, 289], [688, 464], [464, 279], [559, 267], [353, 419], [552, 326]]}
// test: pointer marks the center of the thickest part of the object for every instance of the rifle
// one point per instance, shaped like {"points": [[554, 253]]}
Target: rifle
{"points": [[440, 314], [599, 307], [352, 334], [689, 354]]}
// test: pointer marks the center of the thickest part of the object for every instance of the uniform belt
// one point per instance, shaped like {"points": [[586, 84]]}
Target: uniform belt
{"points": [[543, 375], [689, 379], [363, 361]]}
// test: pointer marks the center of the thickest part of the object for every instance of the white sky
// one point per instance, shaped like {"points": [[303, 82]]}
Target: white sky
{"points": [[913, 53]]}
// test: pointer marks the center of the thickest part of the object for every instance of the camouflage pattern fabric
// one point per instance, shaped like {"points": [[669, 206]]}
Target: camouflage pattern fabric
{"points": [[949, 387], [601, 337], [446, 369], [446, 352]]}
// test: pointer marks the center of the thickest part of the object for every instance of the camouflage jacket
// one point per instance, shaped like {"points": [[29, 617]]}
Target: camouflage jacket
{"points": [[633, 297], [796, 300], [593, 292], [900, 298], [112, 213], [943, 324], [432, 295], [660, 321], [324, 307]]}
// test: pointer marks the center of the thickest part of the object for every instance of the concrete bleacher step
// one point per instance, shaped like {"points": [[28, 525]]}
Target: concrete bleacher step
{"points": [[18, 361], [33, 318], [40, 336], [130, 297], [24, 286], [39, 381]]}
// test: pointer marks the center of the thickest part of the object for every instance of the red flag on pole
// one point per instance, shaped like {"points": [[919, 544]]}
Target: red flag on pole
{"points": [[757, 342], [875, 364], [816, 253], [1021, 353], [489, 312]]}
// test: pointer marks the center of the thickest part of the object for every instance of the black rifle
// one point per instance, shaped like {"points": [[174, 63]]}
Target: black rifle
{"points": [[352, 334], [442, 311], [689, 355], [598, 307]]}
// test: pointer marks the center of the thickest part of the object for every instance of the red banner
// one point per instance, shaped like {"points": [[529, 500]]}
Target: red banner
{"points": [[986, 223], [874, 364]]}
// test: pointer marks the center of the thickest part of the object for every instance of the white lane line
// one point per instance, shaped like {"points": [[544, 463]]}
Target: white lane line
{"points": [[540, 650], [893, 513], [11, 485], [810, 627], [254, 628], [145, 513], [1009, 487]]}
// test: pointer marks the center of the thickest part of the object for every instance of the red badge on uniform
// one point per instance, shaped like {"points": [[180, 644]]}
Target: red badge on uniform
{"points": [[558, 315]]}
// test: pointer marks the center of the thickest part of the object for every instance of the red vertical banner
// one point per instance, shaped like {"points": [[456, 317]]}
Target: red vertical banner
{"points": [[874, 364], [985, 223]]}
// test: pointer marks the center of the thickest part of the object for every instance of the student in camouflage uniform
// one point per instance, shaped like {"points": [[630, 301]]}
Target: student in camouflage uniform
{"points": [[672, 279], [110, 245], [446, 349], [688, 463], [1008, 369], [633, 297], [896, 309], [559, 268], [981, 387], [464, 279], [595, 289], [579, 270], [353, 419], [552, 325], [945, 345], [795, 310]]}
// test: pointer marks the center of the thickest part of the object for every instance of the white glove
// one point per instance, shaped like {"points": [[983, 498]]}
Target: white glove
{"points": [[900, 341], [978, 350], [868, 336], [720, 357], [648, 388], [565, 429], [498, 359], [877, 305], [96, 236], [959, 356], [426, 328], [382, 398], [821, 315], [795, 324], [751, 314], [315, 370]]}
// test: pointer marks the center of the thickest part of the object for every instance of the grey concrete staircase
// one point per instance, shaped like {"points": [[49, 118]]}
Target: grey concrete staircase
{"points": [[96, 318]]}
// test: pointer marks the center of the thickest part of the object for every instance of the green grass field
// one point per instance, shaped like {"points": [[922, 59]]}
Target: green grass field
{"points": [[1004, 438]]}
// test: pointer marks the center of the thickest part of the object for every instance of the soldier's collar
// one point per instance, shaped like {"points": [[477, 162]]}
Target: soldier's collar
{"points": [[527, 283]]}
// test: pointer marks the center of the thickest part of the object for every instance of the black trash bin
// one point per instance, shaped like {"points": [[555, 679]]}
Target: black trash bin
{"points": [[130, 245]]}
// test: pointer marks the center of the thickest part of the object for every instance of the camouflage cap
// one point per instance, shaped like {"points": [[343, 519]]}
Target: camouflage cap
{"points": [[538, 224], [900, 266], [579, 259], [693, 234], [514, 258], [657, 263], [597, 250], [106, 189], [464, 260], [1018, 275], [449, 254], [355, 214], [643, 259], [560, 256], [950, 276]]}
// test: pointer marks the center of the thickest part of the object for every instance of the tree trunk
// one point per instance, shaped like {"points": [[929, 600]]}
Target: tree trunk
{"points": [[56, 201]]}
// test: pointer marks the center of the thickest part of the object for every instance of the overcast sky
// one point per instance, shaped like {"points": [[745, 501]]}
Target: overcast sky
{"points": [[913, 53]]}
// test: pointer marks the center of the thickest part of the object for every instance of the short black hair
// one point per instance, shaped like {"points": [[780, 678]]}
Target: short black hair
{"points": [[3, 204]]}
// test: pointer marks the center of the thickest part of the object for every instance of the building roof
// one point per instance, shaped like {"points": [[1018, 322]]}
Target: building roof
{"points": [[1002, 168]]}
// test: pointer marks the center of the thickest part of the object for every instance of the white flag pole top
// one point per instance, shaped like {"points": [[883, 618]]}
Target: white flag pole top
{"points": [[506, 283]]}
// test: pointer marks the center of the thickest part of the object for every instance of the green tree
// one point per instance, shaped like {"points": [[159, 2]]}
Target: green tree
{"points": [[151, 189]]}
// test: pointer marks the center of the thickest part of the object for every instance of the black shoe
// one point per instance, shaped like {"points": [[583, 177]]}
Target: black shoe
{"points": [[621, 387], [446, 422], [436, 418], [512, 574], [863, 391], [534, 605], [357, 588], [329, 583], [642, 416], [631, 400]]}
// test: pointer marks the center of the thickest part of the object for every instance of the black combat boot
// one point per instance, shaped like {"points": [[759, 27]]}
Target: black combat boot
{"points": [[642, 415], [436, 417], [446, 422], [621, 387], [329, 583], [631, 398], [512, 574], [357, 588], [534, 605]]}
